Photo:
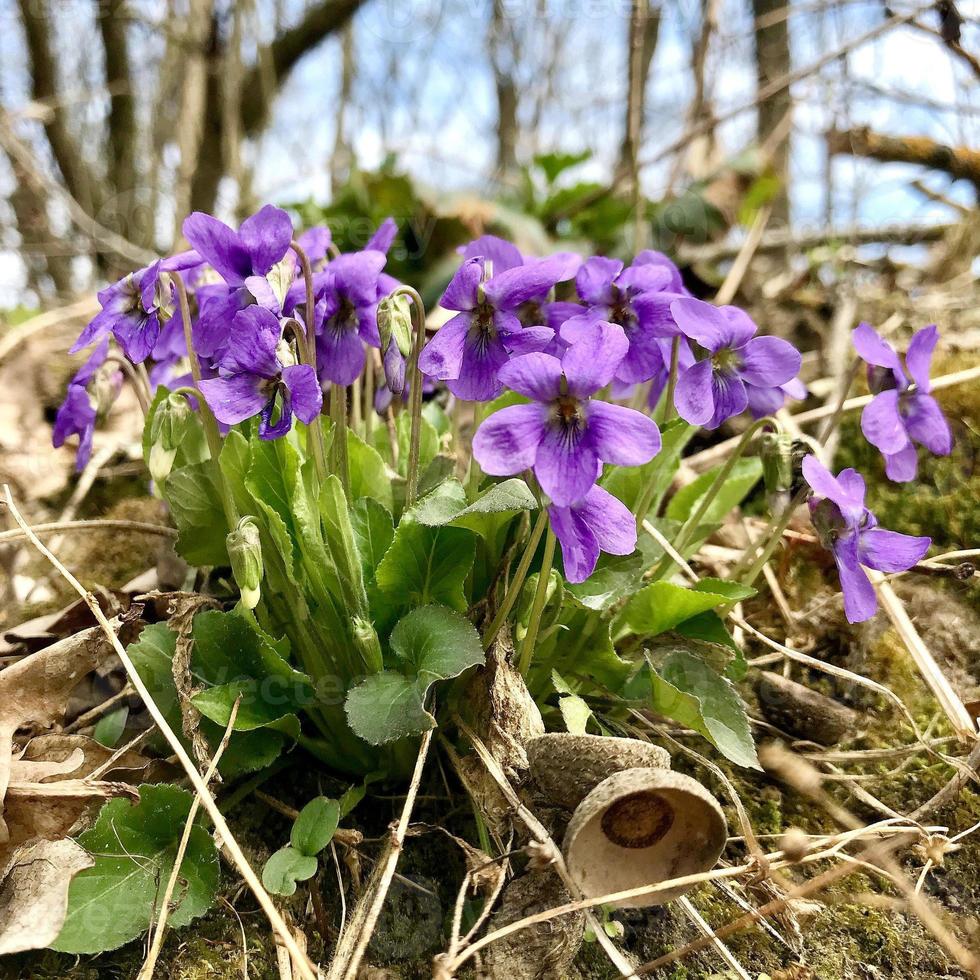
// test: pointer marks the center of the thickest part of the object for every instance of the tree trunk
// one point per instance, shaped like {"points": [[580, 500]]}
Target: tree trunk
{"points": [[502, 45], [772, 59], [36, 19], [644, 29], [123, 213]]}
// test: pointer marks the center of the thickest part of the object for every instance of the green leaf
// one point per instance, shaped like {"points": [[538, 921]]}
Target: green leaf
{"points": [[196, 508], [315, 826], [629, 482], [616, 576], [575, 712], [234, 660], [447, 505], [687, 690], [555, 164], [373, 533], [134, 848], [285, 868], [111, 726], [662, 606], [430, 644], [578, 645], [385, 707], [369, 477], [153, 655], [744, 476], [710, 628], [426, 565]]}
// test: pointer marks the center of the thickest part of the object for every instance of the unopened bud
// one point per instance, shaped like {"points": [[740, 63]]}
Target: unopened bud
{"points": [[245, 553], [776, 454], [367, 643], [168, 429], [395, 323]]}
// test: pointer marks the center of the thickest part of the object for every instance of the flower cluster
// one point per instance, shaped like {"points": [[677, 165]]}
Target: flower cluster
{"points": [[274, 322], [248, 307]]}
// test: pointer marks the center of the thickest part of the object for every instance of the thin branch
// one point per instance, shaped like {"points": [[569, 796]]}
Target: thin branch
{"points": [[146, 973]]}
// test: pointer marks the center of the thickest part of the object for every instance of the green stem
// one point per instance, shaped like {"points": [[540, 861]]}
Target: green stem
{"points": [[537, 606], [517, 582], [338, 414], [307, 349], [208, 420], [675, 353], [690, 525], [369, 412], [475, 473], [773, 535], [415, 404]]}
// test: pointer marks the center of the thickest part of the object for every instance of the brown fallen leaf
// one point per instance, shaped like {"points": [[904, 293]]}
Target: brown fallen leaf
{"points": [[35, 690], [34, 893], [58, 781]]}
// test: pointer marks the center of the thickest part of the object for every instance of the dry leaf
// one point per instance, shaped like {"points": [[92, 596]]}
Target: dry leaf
{"points": [[33, 693], [34, 893]]}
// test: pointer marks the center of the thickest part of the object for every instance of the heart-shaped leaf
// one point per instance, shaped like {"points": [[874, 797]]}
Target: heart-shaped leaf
{"points": [[690, 692], [134, 849], [430, 644], [663, 606], [285, 868]]}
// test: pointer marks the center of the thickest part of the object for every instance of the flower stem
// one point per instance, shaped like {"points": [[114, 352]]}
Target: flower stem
{"points": [[208, 420], [475, 473], [338, 415], [517, 582], [771, 538], [415, 403], [307, 349], [675, 353], [537, 606], [690, 525]]}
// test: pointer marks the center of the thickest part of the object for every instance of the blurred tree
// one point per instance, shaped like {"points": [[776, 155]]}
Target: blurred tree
{"points": [[200, 95], [773, 61]]}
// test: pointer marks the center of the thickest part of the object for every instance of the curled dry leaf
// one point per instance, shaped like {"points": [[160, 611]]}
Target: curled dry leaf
{"points": [[34, 893], [501, 709], [46, 788]]}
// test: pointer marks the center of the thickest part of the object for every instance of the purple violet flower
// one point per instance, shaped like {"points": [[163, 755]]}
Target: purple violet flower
{"points": [[900, 415], [135, 309], [243, 259], [539, 309], [716, 387], [848, 529], [258, 371], [564, 433], [637, 298], [469, 350], [81, 408], [598, 522], [347, 315]]}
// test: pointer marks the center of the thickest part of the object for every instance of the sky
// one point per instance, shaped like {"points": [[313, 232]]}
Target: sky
{"points": [[424, 90]]}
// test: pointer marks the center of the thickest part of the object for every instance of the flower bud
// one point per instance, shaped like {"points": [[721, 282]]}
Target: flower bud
{"points": [[168, 429], [395, 329], [776, 453], [367, 643], [245, 552], [395, 322]]}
